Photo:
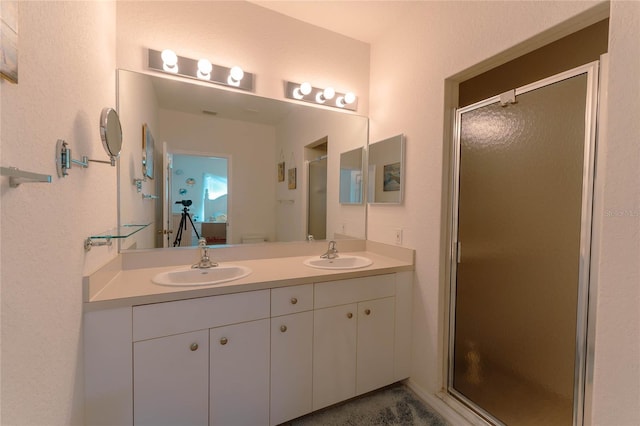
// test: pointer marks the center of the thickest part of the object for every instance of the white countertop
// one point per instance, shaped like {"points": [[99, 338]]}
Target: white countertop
{"points": [[130, 287]]}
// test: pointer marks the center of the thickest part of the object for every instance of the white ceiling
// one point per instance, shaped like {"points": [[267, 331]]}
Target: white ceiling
{"points": [[363, 20]]}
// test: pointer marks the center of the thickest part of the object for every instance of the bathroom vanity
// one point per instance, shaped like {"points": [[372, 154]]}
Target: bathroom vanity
{"points": [[264, 349]]}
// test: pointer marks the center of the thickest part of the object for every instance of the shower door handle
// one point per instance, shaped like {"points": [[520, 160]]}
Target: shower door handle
{"points": [[458, 251]]}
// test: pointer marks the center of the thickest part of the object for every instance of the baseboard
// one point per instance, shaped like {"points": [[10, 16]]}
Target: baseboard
{"points": [[451, 410]]}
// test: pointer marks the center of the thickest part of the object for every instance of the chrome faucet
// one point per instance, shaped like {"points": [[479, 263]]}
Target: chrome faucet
{"points": [[332, 251], [204, 262]]}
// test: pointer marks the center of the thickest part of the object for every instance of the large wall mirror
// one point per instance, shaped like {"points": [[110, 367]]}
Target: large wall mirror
{"points": [[386, 171], [236, 163]]}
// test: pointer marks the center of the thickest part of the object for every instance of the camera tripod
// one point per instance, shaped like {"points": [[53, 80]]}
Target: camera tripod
{"points": [[183, 225]]}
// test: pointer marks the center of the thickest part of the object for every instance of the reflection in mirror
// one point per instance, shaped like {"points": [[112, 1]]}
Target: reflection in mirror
{"points": [[256, 135], [351, 176], [386, 171], [147, 152]]}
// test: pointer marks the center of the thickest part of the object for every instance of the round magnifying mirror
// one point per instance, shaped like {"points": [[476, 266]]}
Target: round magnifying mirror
{"points": [[111, 133]]}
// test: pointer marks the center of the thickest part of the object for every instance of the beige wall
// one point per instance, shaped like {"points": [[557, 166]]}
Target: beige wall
{"points": [[408, 70], [271, 45], [617, 351], [67, 75]]}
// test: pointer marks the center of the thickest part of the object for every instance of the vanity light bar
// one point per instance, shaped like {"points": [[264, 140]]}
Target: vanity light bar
{"points": [[328, 96], [168, 62]]}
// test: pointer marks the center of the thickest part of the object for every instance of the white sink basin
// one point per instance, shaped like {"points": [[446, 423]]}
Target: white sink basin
{"points": [[341, 262], [188, 276]]}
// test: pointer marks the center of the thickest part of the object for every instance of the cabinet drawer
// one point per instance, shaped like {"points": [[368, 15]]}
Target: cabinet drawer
{"points": [[289, 300], [164, 319], [341, 292]]}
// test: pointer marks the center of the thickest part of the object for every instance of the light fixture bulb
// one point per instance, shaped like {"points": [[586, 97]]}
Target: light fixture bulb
{"points": [[349, 98], [169, 61], [329, 93], [345, 100], [235, 76], [320, 98], [305, 88], [204, 69], [297, 93], [236, 73]]}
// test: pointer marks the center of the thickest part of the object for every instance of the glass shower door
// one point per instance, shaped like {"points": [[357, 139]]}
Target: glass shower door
{"points": [[520, 271]]}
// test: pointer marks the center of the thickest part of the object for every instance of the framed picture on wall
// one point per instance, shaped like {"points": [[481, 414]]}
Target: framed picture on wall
{"points": [[147, 152], [9, 41], [281, 172], [292, 178], [391, 177]]}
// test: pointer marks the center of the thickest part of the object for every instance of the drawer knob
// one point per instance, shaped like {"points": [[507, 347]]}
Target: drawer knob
{"points": [[194, 347], [294, 300], [349, 315], [223, 341], [367, 311], [283, 328]]}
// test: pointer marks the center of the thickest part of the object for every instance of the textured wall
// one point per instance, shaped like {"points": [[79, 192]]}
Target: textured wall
{"points": [[67, 75], [408, 70], [617, 353]]}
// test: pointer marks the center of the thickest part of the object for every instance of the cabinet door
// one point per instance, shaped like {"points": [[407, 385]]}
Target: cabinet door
{"points": [[239, 369], [170, 383], [334, 354], [291, 366], [376, 331]]}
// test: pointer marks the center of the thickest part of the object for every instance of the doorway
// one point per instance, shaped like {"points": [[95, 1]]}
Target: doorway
{"points": [[521, 245], [316, 155], [198, 198]]}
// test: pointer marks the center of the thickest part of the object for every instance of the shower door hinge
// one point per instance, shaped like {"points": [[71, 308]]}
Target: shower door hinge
{"points": [[458, 251], [508, 97]]}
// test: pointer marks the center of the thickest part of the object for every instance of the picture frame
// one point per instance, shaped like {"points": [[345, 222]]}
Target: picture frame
{"points": [[9, 41], [391, 177], [281, 171], [292, 178], [147, 152]]}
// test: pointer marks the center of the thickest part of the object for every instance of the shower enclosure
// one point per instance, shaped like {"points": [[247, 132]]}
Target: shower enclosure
{"points": [[521, 235], [317, 198]]}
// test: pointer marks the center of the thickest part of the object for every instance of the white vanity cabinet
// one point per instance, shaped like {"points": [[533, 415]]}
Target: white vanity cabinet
{"points": [[249, 358], [353, 337], [291, 352], [171, 386], [239, 376], [217, 375]]}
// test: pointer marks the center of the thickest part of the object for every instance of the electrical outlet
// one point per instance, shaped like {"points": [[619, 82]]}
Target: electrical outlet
{"points": [[398, 236]]}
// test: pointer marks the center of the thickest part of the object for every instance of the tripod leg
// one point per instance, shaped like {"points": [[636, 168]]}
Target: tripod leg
{"points": [[192, 226], [183, 225]]}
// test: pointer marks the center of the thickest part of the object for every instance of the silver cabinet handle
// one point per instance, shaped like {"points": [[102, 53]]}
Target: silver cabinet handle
{"points": [[223, 341], [349, 315], [283, 328], [367, 311], [294, 300], [194, 347]]}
